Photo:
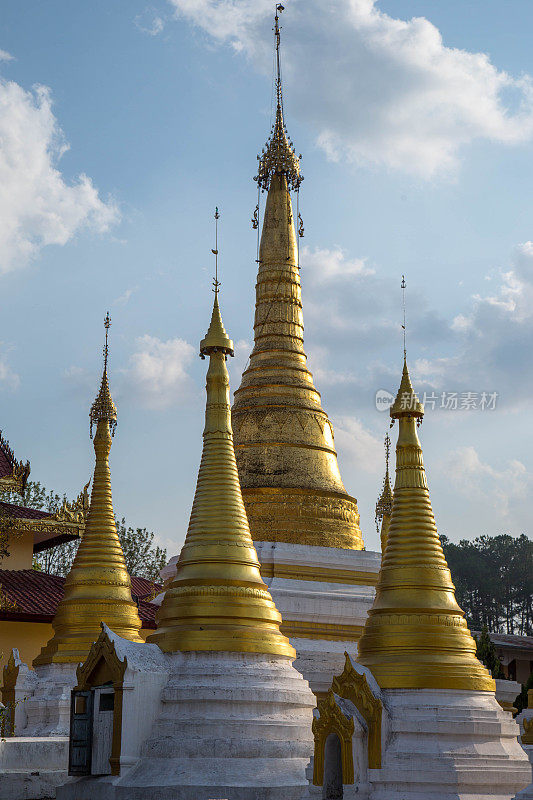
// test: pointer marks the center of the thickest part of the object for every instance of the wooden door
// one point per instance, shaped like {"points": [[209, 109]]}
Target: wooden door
{"points": [[104, 707], [81, 728]]}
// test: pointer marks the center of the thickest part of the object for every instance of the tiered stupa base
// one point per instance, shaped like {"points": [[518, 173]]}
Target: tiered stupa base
{"points": [[34, 762], [233, 725], [323, 595], [449, 745]]}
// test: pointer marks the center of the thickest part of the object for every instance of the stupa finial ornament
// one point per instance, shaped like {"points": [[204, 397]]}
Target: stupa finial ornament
{"points": [[384, 503], [406, 402], [216, 338], [278, 155], [104, 407]]}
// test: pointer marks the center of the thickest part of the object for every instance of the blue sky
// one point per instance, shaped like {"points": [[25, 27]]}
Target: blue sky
{"points": [[415, 121]]}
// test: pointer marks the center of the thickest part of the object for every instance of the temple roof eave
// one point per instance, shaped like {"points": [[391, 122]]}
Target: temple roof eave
{"points": [[49, 529]]}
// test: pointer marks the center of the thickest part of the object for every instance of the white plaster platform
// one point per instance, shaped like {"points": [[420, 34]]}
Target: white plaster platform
{"points": [[330, 610], [448, 745], [526, 713], [232, 725], [35, 761], [32, 766], [506, 693], [527, 793]]}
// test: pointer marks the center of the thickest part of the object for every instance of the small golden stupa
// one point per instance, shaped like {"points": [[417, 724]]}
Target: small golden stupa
{"points": [[290, 478], [217, 599], [97, 588], [416, 636], [384, 504]]}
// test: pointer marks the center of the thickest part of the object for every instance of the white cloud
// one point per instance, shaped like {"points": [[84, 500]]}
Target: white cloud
{"points": [[480, 481], [236, 365], [376, 89], [125, 296], [326, 265], [149, 21], [5, 56], [355, 443], [324, 374], [37, 206], [157, 371], [9, 379], [493, 338], [353, 333]]}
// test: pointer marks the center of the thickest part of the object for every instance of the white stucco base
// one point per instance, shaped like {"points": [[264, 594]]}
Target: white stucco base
{"points": [[506, 693], [527, 713], [232, 725], [32, 766], [449, 745], [35, 761], [330, 610], [527, 793]]}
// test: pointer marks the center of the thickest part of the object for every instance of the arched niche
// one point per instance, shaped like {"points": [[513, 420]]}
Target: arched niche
{"points": [[332, 785], [332, 722]]}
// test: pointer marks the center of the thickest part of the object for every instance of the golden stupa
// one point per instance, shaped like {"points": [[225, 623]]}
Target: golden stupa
{"points": [[384, 503], [217, 599], [97, 588], [290, 479], [416, 636]]}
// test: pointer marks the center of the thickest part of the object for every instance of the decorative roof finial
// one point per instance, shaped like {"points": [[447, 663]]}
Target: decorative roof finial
{"points": [[403, 285], [384, 504], [278, 154], [216, 282], [107, 325], [406, 403], [103, 407], [216, 338], [276, 29]]}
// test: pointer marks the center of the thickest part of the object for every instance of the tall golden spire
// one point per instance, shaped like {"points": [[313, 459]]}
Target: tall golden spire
{"points": [[290, 479], [217, 600], [415, 636], [97, 588], [384, 504]]}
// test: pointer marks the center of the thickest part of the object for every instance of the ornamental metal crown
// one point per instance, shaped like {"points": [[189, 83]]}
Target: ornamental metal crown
{"points": [[278, 156], [103, 407]]}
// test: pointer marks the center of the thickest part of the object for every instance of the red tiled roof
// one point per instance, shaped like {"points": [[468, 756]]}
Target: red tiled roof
{"points": [[37, 595], [21, 512], [512, 640]]}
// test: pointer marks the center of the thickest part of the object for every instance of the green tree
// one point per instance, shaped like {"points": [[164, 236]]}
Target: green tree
{"points": [[486, 652], [521, 701], [143, 559], [56, 560], [493, 576]]}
